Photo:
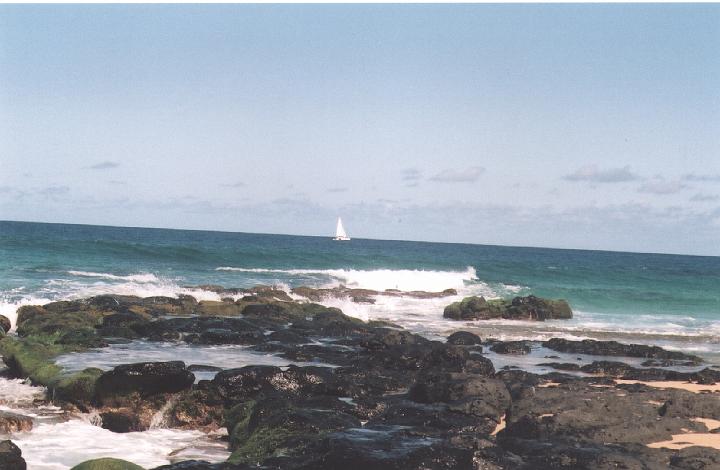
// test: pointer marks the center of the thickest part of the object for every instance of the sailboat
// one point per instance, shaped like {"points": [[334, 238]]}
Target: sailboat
{"points": [[340, 232]]}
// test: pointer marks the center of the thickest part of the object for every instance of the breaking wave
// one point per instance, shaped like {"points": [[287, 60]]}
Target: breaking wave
{"points": [[376, 279]]}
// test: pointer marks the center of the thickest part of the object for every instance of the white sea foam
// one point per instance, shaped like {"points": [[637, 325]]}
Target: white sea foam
{"points": [[18, 393], [377, 279], [59, 446], [140, 278], [141, 285], [8, 307], [162, 287]]}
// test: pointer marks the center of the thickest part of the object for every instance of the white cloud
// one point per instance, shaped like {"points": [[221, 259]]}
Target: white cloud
{"points": [[661, 187], [106, 165], [467, 175], [703, 197], [701, 178], [594, 174]]}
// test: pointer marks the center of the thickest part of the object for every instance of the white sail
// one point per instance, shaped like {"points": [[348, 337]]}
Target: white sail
{"points": [[340, 233]]}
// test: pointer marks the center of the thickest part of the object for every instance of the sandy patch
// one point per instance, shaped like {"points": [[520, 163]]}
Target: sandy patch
{"points": [[548, 384], [688, 386], [689, 439], [499, 427], [711, 424], [681, 441], [653, 402]]}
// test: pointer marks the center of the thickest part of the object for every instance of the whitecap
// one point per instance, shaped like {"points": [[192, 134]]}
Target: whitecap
{"points": [[140, 277], [378, 279]]}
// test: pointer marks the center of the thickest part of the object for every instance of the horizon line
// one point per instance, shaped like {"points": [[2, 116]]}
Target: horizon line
{"points": [[359, 238]]}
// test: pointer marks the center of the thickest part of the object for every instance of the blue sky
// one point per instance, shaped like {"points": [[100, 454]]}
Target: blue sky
{"points": [[578, 126]]}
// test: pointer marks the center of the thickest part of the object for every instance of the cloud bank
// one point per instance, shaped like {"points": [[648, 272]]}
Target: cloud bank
{"points": [[106, 165], [467, 175], [593, 174]]}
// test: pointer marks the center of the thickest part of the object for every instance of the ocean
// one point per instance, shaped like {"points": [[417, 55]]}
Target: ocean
{"points": [[668, 300]]}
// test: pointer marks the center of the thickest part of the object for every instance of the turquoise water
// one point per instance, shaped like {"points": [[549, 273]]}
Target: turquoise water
{"points": [[671, 297]]}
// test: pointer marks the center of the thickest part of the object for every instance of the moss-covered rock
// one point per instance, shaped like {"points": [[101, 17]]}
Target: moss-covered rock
{"points": [[519, 308], [474, 308], [107, 464], [275, 427], [197, 409], [78, 388], [85, 337], [35, 320], [31, 358], [5, 325]]}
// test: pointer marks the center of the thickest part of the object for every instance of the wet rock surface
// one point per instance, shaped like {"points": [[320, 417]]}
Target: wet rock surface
{"points": [[392, 400], [519, 308], [144, 378], [11, 456], [5, 324], [613, 348], [13, 422]]}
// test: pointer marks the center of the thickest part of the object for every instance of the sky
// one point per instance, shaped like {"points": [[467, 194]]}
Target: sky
{"points": [[574, 126]]}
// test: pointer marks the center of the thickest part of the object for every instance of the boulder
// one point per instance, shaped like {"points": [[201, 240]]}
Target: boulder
{"points": [[145, 378], [11, 457], [474, 308], [464, 338], [106, 464], [78, 388], [519, 308], [536, 308], [511, 347], [5, 324], [121, 421]]}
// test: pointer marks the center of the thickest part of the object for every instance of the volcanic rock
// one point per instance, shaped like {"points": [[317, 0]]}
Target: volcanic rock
{"points": [[613, 348], [11, 457], [145, 378], [13, 422]]}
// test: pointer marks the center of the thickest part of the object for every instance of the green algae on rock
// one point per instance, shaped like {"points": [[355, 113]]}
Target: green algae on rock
{"points": [[107, 464], [519, 308]]}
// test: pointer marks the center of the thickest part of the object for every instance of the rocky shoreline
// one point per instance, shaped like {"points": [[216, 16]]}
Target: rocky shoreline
{"points": [[390, 400]]}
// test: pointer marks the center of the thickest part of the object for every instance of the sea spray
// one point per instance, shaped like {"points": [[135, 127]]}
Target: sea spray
{"points": [[377, 279], [160, 418]]}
